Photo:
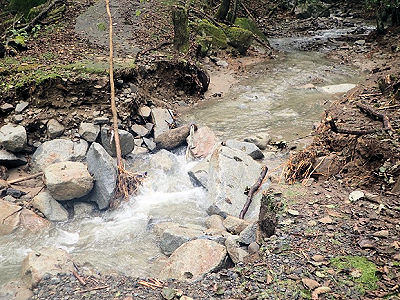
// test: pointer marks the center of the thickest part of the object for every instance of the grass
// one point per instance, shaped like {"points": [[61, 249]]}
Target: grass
{"points": [[366, 278]]}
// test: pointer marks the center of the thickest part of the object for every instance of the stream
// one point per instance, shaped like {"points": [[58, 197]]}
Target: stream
{"points": [[270, 99]]}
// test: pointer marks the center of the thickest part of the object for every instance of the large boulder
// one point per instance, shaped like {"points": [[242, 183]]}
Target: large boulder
{"points": [[248, 148], [230, 172], [13, 137], [126, 140], [173, 138], [202, 143], [49, 207], [194, 259], [10, 160], [164, 160], [68, 180], [58, 150], [174, 237], [104, 170], [46, 261], [161, 118], [89, 131]]}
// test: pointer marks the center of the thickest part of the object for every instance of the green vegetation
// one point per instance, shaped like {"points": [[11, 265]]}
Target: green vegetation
{"points": [[250, 25], [23, 6], [239, 38], [217, 35], [363, 271]]}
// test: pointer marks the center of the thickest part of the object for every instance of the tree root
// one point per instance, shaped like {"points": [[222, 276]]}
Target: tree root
{"points": [[375, 114]]}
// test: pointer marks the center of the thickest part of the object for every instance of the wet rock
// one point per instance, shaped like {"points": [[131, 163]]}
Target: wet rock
{"points": [[173, 237], [194, 259], [337, 88], [46, 261], [159, 228], [9, 217], [149, 143], [164, 160], [235, 225], [103, 168], [199, 173], [126, 140], [20, 107], [215, 222], [68, 180], [49, 207], [261, 140], [13, 137], [54, 129], [173, 138], [31, 221], [248, 235], [140, 130], [203, 143], [145, 111], [89, 131], [83, 209], [161, 119], [248, 148], [236, 253], [58, 150], [10, 160]]}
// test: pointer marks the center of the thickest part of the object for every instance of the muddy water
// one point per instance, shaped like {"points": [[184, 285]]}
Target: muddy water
{"points": [[275, 98], [272, 99]]}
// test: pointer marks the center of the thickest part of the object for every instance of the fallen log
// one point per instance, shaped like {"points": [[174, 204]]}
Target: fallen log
{"points": [[335, 129], [252, 191]]}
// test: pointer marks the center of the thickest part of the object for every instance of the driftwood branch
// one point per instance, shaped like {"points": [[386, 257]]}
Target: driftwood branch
{"points": [[79, 278], [252, 191], [159, 46], [376, 114], [335, 129], [25, 178]]}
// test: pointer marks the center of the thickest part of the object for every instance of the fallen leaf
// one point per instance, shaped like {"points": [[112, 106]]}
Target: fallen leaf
{"points": [[326, 220], [269, 279], [310, 283], [318, 258], [318, 291]]}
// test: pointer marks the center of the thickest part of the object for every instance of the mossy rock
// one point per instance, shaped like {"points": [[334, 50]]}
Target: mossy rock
{"points": [[205, 44], [363, 271], [34, 11], [250, 25], [205, 29], [239, 38]]}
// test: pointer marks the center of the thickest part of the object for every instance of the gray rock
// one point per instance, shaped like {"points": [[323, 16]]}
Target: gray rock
{"points": [[165, 161], [13, 137], [215, 222], [83, 209], [58, 150], [138, 142], [54, 129], [140, 150], [199, 173], [248, 148], [10, 160], [140, 130], [100, 120], [337, 88], [194, 259], [68, 180], [161, 119], [230, 173], [49, 207], [202, 143], [149, 126], [89, 131], [21, 106], [18, 118], [221, 63], [6, 107], [253, 248], [159, 228], [46, 261], [173, 138], [126, 141], [104, 170], [248, 235], [15, 290], [261, 140], [235, 225], [236, 253], [145, 111], [149, 143], [173, 237], [215, 210]]}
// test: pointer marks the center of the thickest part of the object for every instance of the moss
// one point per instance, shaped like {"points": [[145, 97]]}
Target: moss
{"points": [[239, 38], [205, 45], [34, 11], [101, 26], [366, 278], [250, 25], [205, 29], [90, 67]]}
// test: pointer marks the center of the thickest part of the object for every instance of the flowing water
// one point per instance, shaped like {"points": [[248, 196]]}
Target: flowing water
{"points": [[270, 100]]}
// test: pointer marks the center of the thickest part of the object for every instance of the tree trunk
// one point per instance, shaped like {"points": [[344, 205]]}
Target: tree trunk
{"points": [[380, 26], [223, 10], [234, 11], [395, 16], [181, 29]]}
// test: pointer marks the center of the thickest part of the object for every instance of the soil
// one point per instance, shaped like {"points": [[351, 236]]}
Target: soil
{"points": [[350, 248]]}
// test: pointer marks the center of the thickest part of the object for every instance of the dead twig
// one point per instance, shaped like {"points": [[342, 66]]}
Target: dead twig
{"points": [[159, 46], [102, 287], [33, 176], [79, 278], [335, 129], [373, 113], [252, 191]]}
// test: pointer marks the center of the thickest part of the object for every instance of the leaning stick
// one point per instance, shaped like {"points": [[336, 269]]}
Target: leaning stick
{"points": [[25, 178], [252, 191]]}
